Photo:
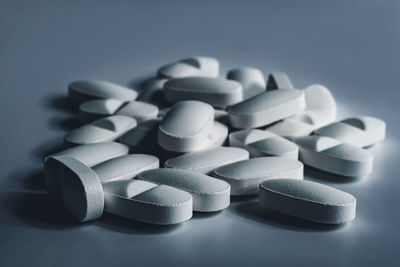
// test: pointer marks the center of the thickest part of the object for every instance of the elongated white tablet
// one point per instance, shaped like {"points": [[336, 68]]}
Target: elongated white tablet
{"points": [[217, 92], [205, 161], [102, 130], [251, 79], [216, 138], [334, 156], [85, 90], [266, 108], [245, 176], [143, 137], [185, 127], [140, 111], [153, 93], [308, 200], [194, 66], [209, 194], [125, 167], [92, 154], [361, 131], [147, 202], [76, 186], [279, 80]]}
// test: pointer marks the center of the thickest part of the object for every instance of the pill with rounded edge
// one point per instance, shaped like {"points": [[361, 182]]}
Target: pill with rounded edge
{"points": [[153, 93], [194, 66], [251, 79], [143, 137], [279, 80]]}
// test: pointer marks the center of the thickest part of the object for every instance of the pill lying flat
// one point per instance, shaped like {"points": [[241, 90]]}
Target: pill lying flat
{"points": [[92, 154], [245, 176], [143, 137], [195, 66], [251, 79], [205, 161], [217, 92], [266, 108], [308, 200], [102, 130], [185, 127], [279, 80], [361, 132], [147, 202], [125, 167], [209, 194], [153, 93], [333, 156], [76, 186], [85, 90], [140, 111]]}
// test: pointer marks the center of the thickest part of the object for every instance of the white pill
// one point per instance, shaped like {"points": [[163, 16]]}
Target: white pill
{"points": [[279, 80], [76, 186], [125, 167], [195, 66], [245, 176], [102, 130], [217, 92], [205, 161], [263, 143], [308, 200], [222, 116], [85, 90], [216, 138], [251, 79], [153, 93], [209, 194], [185, 127], [147, 202], [140, 111], [143, 137], [333, 156], [266, 108], [92, 154], [361, 131]]}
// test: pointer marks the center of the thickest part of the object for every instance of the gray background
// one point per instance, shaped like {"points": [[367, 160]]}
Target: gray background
{"points": [[352, 47]]}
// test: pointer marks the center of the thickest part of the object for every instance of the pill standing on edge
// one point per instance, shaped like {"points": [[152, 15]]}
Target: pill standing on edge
{"points": [[278, 80], [194, 66], [251, 79]]}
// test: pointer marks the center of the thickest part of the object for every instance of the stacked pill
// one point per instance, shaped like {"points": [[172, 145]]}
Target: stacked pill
{"points": [[191, 139]]}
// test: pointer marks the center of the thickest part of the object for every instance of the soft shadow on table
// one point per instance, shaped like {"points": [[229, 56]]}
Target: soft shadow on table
{"points": [[319, 176], [60, 102]]}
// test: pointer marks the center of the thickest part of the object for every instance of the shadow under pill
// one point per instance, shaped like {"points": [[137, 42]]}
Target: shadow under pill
{"points": [[139, 83], [40, 152], [65, 124], [205, 215], [315, 175], [60, 103]]}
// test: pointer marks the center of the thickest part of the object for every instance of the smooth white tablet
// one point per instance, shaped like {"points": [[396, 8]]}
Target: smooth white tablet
{"points": [[185, 127], [125, 167], [143, 137], [334, 156], [251, 79], [266, 108], [361, 131], [147, 202], [308, 200], [102, 130], [195, 66], [217, 92], [92, 154], [279, 80], [76, 186], [138, 110], [209, 194], [205, 161], [153, 93], [245, 176], [85, 90], [216, 138]]}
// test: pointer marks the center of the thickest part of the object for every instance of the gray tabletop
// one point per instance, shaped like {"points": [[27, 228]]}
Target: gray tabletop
{"points": [[352, 47]]}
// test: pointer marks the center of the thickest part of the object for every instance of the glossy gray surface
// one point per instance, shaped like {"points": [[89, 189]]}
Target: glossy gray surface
{"points": [[352, 47]]}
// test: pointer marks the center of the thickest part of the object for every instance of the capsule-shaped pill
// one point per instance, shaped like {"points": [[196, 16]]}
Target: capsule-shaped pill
{"points": [[194, 66], [251, 79]]}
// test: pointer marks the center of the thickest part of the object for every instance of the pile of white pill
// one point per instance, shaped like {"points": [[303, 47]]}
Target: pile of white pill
{"points": [[214, 138]]}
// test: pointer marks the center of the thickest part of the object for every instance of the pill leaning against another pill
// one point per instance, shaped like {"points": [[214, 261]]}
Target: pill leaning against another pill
{"points": [[153, 93], [278, 80], [143, 137], [194, 66], [251, 79]]}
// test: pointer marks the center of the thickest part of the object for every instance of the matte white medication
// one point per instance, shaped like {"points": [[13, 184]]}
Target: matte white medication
{"points": [[143, 137], [251, 79], [194, 66], [153, 93], [279, 80]]}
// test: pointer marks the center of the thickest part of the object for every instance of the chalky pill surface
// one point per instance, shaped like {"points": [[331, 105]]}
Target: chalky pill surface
{"points": [[209, 194], [279, 80], [245, 176], [217, 92], [102, 130], [85, 90], [194, 66], [92, 154], [361, 131], [205, 161], [308, 200], [98, 108], [334, 156], [266, 108], [251, 79], [125, 167], [138, 110], [147, 202]]}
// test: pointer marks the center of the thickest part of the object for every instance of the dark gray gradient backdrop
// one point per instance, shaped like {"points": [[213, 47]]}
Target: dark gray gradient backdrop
{"points": [[352, 47]]}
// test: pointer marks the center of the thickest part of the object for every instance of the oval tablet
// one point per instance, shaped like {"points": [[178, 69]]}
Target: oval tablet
{"points": [[194, 66], [102, 130], [279, 80], [153, 93], [205, 161], [266, 108], [217, 92], [85, 90], [143, 137], [140, 111], [209, 194], [245, 176], [308, 200], [251, 79]]}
